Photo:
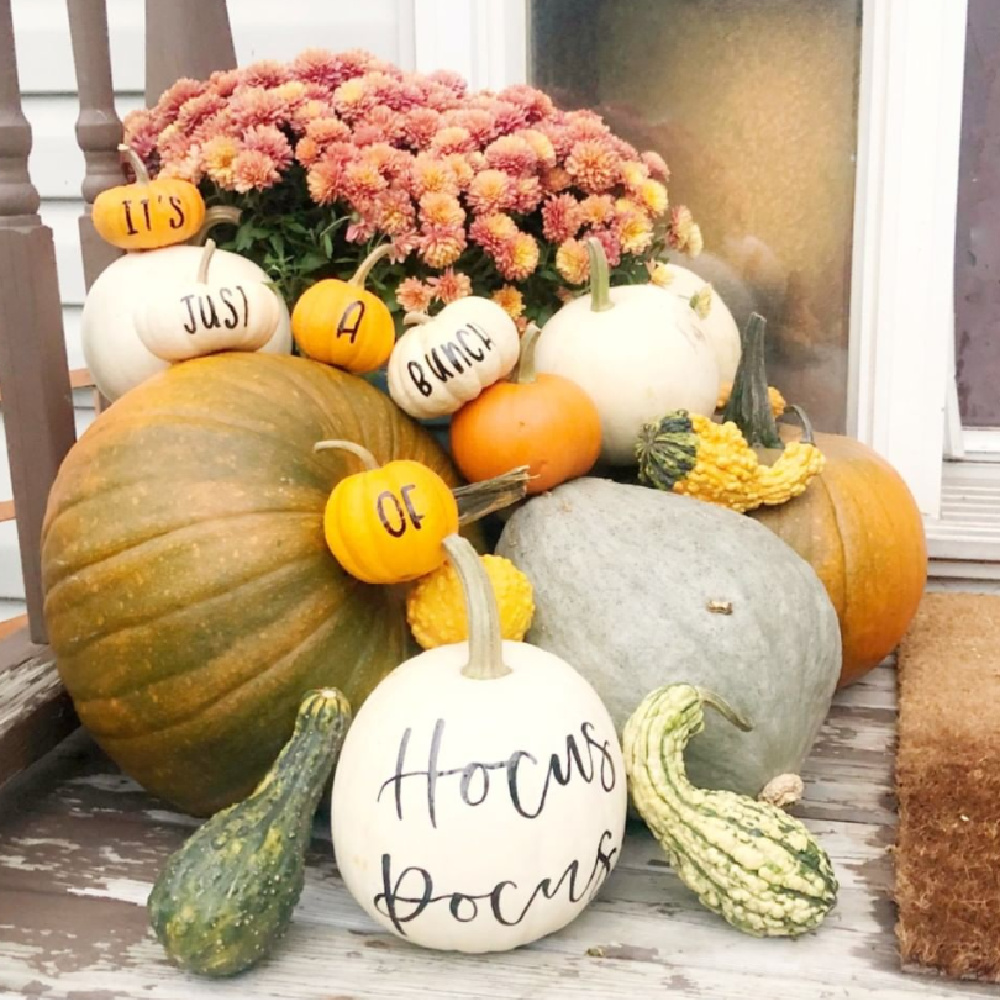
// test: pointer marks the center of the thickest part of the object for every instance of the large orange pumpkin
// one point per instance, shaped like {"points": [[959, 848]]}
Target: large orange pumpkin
{"points": [[859, 527], [190, 595], [856, 524]]}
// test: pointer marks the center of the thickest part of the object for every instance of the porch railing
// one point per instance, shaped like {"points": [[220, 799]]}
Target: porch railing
{"points": [[183, 38]]}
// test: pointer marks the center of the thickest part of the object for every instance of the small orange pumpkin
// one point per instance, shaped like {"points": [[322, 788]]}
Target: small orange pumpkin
{"points": [[148, 214], [387, 524], [544, 421], [339, 323]]}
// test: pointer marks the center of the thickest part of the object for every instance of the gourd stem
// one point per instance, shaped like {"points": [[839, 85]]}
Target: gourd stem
{"points": [[135, 162], [808, 436], [355, 449], [415, 319], [215, 216], [360, 276], [485, 645], [476, 500], [724, 709], [206, 259], [600, 276], [525, 372], [749, 406]]}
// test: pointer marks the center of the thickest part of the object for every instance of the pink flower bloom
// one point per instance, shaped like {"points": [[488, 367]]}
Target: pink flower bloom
{"points": [[224, 81], [256, 106], [527, 195], [431, 173], [511, 154], [450, 81], [324, 181], [596, 209], [542, 146], [508, 118], [271, 142], [307, 151], [452, 139], [611, 243], [404, 245], [535, 103], [184, 168], [217, 157], [477, 122], [325, 130], [414, 296], [440, 211], [573, 262], [492, 231], [489, 191], [593, 165], [165, 111], [388, 122], [254, 170], [193, 113], [441, 247], [308, 111], [393, 212], [139, 132], [451, 286], [419, 126], [362, 180], [657, 167], [461, 167], [518, 258], [561, 218], [360, 230], [265, 73]]}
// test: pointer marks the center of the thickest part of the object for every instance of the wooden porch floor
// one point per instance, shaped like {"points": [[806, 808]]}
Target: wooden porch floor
{"points": [[80, 846]]}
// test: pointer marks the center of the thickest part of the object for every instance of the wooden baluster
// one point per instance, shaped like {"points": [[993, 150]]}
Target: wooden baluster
{"points": [[34, 376], [98, 128], [185, 38]]}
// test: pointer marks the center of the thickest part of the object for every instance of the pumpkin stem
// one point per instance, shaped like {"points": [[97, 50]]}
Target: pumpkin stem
{"points": [[808, 437], [600, 276], [415, 319], [724, 709], [355, 449], [215, 216], [360, 276], [485, 644], [749, 406], [135, 162], [524, 372], [476, 500], [206, 259]]}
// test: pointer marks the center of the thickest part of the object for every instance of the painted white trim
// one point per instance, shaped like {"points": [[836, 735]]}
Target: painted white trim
{"points": [[486, 41], [903, 296]]}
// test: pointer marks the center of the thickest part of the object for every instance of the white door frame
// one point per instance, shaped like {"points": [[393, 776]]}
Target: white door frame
{"points": [[913, 62]]}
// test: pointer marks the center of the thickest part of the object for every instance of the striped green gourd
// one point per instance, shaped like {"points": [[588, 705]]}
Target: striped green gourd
{"points": [[748, 861], [224, 899]]}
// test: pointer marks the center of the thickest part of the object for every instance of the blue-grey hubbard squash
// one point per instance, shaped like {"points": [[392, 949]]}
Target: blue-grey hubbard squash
{"points": [[639, 588], [190, 596]]}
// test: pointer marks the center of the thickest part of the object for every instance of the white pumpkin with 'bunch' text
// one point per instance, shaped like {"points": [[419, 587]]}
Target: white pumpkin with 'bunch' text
{"points": [[443, 362], [480, 798]]}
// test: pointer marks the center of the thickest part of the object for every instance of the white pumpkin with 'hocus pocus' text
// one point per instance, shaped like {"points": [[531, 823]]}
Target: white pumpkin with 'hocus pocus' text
{"points": [[480, 797]]}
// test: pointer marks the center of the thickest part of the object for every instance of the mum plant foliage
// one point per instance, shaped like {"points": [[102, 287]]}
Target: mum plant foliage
{"points": [[486, 193]]}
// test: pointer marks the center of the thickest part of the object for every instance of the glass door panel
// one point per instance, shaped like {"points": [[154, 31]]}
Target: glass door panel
{"points": [[754, 106]]}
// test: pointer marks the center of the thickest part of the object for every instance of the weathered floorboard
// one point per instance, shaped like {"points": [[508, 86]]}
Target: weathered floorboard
{"points": [[80, 846]]}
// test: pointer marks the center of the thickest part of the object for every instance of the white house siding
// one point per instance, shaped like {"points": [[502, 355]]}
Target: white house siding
{"points": [[261, 30]]}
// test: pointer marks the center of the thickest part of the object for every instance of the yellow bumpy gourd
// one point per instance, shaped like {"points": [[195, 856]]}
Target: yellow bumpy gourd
{"points": [[435, 606]]}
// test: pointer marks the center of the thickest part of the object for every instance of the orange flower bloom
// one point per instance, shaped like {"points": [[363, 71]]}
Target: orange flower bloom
{"points": [[593, 165], [451, 286], [324, 180], [393, 211], [633, 174], [572, 262], [654, 196], [542, 146], [634, 228], [561, 218], [596, 209], [518, 258], [414, 296], [306, 151], [557, 179], [492, 231], [489, 191], [659, 273], [441, 210], [441, 247], [431, 173], [254, 170], [510, 300], [452, 139], [217, 157]]}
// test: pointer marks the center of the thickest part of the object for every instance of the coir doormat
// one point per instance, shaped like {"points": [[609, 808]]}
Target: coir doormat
{"points": [[948, 786]]}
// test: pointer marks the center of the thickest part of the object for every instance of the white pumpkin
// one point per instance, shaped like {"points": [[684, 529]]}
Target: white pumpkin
{"points": [[118, 360], [440, 364], [718, 324], [480, 797], [183, 320], [636, 350]]}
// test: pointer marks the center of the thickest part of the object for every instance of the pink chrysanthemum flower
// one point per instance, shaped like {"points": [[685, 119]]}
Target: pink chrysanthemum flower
{"points": [[585, 125], [555, 180], [656, 164], [176, 95], [611, 243], [307, 151], [452, 139], [414, 296], [223, 82], [265, 73], [254, 170], [558, 135], [508, 118], [542, 146], [184, 168], [634, 228], [217, 156], [462, 169], [192, 114], [325, 181], [360, 230], [319, 66], [431, 173], [256, 106], [393, 212], [403, 245], [271, 142], [324, 131], [352, 99], [419, 126], [388, 123], [477, 122], [510, 300], [512, 154], [139, 132], [308, 112], [451, 286], [573, 262], [451, 81], [489, 191], [363, 180], [596, 209], [295, 92], [492, 231], [561, 218], [593, 165], [441, 247], [518, 258], [535, 103], [441, 211], [684, 234], [633, 174], [527, 195]]}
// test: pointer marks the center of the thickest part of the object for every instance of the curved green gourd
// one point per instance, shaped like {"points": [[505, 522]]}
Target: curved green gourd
{"points": [[223, 900], [754, 865], [667, 450]]}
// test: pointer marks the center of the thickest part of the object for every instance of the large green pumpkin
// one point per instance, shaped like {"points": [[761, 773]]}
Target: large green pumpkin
{"points": [[190, 597]]}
